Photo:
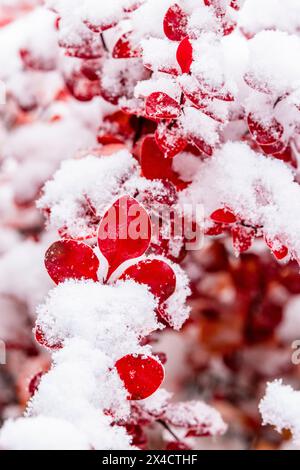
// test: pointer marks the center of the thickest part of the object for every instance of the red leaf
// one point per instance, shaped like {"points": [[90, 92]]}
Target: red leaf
{"points": [[175, 23], [41, 339], [255, 84], [34, 383], [242, 238], [279, 250], [154, 164], [161, 106], [124, 232], [223, 216], [69, 259], [100, 28], [184, 55], [265, 135], [197, 418], [124, 49], [169, 139], [192, 90], [142, 375], [157, 274], [277, 147], [202, 145]]}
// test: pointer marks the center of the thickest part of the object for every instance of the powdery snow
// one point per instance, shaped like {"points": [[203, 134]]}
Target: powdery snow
{"points": [[280, 407]]}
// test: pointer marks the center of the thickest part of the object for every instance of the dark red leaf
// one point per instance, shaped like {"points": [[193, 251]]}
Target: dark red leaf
{"points": [[277, 147], [154, 164], [157, 274], [69, 259], [202, 145], [175, 23], [141, 375], [124, 49], [265, 134], [242, 238], [159, 105], [170, 140], [124, 232], [41, 339], [184, 55], [279, 250], [34, 383]]}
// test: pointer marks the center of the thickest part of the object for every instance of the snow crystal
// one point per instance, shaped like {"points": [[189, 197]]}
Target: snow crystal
{"points": [[280, 407]]}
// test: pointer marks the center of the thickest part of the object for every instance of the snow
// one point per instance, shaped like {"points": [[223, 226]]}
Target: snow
{"points": [[280, 71], [280, 407], [91, 311], [25, 434], [273, 14]]}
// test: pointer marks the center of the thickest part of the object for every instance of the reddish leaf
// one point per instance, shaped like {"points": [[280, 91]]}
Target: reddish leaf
{"points": [[34, 383], [69, 259], [215, 230], [175, 23], [157, 274], [124, 49], [194, 92], [202, 145], [279, 250], [184, 55], [223, 216], [255, 84], [161, 106], [265, 134], [100, 28], [141, 375], [170, 140], [154, 164], [124, 232], [133, 6], [41, 339], [277, 147], [197, 418], [242, 238]]}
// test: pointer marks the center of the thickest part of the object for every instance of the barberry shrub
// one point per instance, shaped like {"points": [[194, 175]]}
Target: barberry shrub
{"points": [[120, 118]]}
